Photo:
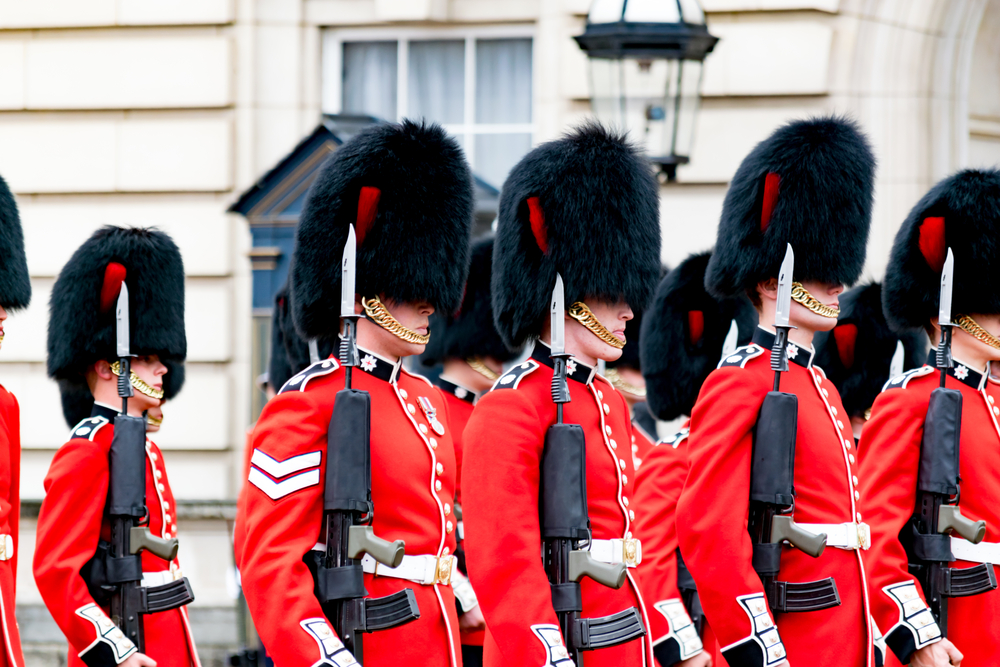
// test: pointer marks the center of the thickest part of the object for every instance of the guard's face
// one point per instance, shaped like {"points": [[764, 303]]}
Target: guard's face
{"points": [[3, 318], [154, 416], [992, 324], [415, 316], [613, 316], [151, 371], [826, 293]]}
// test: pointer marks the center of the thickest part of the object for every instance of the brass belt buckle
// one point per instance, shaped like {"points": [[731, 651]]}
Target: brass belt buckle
{"points": [[630, 552], [864, 536], [445, 564]]}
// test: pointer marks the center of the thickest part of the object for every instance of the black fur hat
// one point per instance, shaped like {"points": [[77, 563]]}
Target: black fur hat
{"points": [[82, 306], [809, 184], [585, 206], [407, 189], [859, 352], [289, 353], [683, 334], [15, 286], [470, 333], [961, 212], [77, 401]]}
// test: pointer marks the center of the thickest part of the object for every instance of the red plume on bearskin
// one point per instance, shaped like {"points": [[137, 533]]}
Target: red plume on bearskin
{"points": [[15, 284], [846, 337], [367, 210], [770, 198], [537, 220], [696, 326], [966, 205], [82, 330]]}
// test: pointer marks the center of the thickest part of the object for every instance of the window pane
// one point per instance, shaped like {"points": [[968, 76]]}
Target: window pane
{"points": [[370, 79], [437, 81], [497, 153], [503, 81]]}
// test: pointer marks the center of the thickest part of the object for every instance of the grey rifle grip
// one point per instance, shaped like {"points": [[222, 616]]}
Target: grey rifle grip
{"points": [[950, 519], [784, 529], [362, 540], [582, 564], [140, 538]]}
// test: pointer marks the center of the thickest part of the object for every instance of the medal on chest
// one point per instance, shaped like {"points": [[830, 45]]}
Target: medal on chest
{"points": [[431, 413]]}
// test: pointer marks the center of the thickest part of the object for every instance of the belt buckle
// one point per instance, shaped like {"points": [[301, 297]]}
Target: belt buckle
{"points": [[445, 565], [864, 536], [630, 552]]}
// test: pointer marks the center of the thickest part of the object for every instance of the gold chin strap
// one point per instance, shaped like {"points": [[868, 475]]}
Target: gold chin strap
{"points": [[138, 382], [482, 369], [579, 312], [801, 295], [153, 421], [620, 384], [971, 327], [378, 314]]}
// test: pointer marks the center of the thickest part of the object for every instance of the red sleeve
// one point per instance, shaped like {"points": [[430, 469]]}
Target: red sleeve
{"points": [[890, 456], [282, 510], [658, 487], [713, 507], [14, 437], [502, 530], [69, 528]]}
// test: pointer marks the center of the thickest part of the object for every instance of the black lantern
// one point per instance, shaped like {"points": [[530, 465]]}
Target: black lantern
{"points": [[646, 60]]}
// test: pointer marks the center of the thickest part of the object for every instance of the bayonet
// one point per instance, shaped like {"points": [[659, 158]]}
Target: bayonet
{"points": [[122, 346], [349, 342], [782, 310], [557, 319], [943, 359]]}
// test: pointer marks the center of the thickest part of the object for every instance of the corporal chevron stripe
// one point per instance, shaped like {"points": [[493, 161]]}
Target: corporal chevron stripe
{"points": [[278, 490], [278, 469]]}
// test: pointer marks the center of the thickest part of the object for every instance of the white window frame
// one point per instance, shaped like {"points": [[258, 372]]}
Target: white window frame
{"points": [[332, 67]]}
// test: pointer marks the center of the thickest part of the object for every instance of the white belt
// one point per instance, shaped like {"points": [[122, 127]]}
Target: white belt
{"points": [[150, 579], [6, 547], [850, 536], [984, 552], [617, 551], [424, 570]]}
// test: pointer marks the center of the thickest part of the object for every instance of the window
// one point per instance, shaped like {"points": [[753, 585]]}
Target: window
{"points": [[477, 84]]}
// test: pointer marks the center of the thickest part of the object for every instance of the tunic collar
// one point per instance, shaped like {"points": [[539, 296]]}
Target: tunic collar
{"points": [[456, 390], [378, 367], [964, 373], [803, 356], [102, 410], [575, 370]]}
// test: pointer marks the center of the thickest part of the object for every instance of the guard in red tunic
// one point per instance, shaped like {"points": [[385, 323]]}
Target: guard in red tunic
{"points": [[962, 213], [407, 190], [71, 551], [583, 207], [15, 293], [686, 333], [472, 355], [809, 185]]}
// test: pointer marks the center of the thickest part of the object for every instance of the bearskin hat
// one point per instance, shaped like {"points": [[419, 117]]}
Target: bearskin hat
{"points": [[78, 402], [585, 206], [82, 307], [962, 212], [407, 189], [289, 353], [15, 286], [809, 184], [683, 335], [469, 333], [859, 352]]}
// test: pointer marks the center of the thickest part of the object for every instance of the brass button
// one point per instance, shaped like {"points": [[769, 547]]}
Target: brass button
{"points": [[851, 457], [449, 527], [614, 445], [423, 428], [835, 413], [403, 394], [857, 496], [409, 408], [439, 468], [434, 443], [621, 462], [625, 501], [607, 429], [631, 515], [624, 479], [607, 409], [437, 485], [447, 509]]}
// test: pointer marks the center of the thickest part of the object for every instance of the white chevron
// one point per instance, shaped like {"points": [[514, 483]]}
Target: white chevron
{"points": [[278, 469], [278, 490]]}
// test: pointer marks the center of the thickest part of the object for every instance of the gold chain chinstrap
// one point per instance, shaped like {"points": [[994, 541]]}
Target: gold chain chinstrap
{"points": [[801, 295], [137, 382], [614, 377], [481, 368], [378, 314], [971, 327], [582, 314]]}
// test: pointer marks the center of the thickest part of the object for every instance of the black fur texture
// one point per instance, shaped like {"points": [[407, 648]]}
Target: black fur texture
{"points": [[79, 334], [874, 348], [969, 202], [77, 401], [601, 205], [15, 285], [469, 334], [675, 368], [289, 353], [823, 208], [418, 246]]}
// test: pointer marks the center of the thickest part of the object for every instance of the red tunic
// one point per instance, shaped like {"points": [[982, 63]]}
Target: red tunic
{"points": [[714, 504], [413, 487], [504, 442], [642, 442], [70, 524], [460, 402], [10, 514], [890, 454], [658, 487]]}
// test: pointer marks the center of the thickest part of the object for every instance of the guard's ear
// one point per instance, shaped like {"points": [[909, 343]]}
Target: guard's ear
{"points": [[367, 210], [537, 219], [932, 243], [696, 326], [114, 276], [846, 337], [770, 197]]}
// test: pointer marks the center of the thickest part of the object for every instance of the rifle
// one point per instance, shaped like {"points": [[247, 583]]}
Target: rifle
{"points": [[937, 514], [566, 524], [772, 471], [689, 595], [347, 503], [118, 566]]}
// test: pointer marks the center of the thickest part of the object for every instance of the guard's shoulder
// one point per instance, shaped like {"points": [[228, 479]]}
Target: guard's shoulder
{"points": [[300, 381], [89, 427], [415, 376], [512, 378], [901, 381], [741, 356], [674, 440]]}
